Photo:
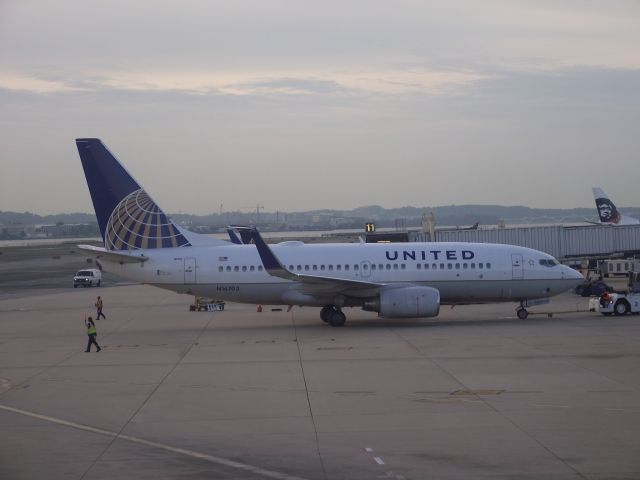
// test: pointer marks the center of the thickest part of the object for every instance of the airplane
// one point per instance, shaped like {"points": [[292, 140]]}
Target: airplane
{"points": [[607, 211], [408, 280]]}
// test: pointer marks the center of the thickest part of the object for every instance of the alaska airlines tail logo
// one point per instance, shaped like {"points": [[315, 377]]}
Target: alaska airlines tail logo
{"points": [[607, 211], [137, 222]]}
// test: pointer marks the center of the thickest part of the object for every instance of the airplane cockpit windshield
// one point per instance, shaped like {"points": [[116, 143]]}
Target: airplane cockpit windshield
{"points": [[548, 262]]}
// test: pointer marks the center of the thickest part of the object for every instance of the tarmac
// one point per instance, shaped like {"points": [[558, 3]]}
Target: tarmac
{"points": [[474, 393]]}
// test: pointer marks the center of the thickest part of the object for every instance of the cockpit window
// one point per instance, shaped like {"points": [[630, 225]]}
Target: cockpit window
{"points": [[548, 262]]}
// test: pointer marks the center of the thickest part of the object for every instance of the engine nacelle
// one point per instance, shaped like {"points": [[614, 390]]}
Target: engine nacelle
{"points": [[405, 302]]}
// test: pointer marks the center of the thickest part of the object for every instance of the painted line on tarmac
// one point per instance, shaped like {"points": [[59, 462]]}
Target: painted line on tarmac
{"points": [[190, 453]]}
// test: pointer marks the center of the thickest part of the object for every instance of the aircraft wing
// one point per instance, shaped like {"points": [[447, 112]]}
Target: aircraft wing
{"points": [[312, 282], [113, 256]]}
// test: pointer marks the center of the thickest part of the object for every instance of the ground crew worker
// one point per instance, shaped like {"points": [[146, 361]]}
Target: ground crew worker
{"points": [[99, 309], [92, 333]]}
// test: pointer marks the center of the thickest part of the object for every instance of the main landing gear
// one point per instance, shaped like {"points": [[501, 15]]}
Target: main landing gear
{"points": [[333, 316], [522, 312]]}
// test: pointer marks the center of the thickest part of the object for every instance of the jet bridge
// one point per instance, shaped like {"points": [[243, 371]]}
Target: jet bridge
{"points": [[563, 242]]}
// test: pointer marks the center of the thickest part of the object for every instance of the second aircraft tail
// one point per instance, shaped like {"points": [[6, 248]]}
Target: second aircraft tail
{"points": [[608, 212]]}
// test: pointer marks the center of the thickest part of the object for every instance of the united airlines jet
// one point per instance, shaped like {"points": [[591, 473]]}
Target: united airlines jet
{"points": [[408, 280]]}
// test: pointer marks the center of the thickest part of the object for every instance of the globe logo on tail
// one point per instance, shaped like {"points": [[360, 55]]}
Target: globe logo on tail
{"points": [[137, 222]]}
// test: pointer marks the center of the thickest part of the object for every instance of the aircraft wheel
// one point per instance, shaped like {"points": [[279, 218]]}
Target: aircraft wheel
{"points": [[337, 318], [325, 313], [522, 313], [621, 307]]}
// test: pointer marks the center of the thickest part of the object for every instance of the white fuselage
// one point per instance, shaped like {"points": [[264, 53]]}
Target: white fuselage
{"points": [[462, 272]]}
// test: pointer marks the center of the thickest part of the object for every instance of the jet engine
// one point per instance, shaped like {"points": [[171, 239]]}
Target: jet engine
{"points": [[405, 302]]}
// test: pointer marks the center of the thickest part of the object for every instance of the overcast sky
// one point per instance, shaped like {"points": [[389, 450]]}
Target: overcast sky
{"points": [[301, 105]]}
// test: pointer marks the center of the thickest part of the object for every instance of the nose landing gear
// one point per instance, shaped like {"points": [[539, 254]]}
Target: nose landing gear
{"points": [[522, 312]]}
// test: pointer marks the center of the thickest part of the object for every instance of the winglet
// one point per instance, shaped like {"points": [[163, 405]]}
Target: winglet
{"points": [[271, 263], [232, 235], [244, 231]]}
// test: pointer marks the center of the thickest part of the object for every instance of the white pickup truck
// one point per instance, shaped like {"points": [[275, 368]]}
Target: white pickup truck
{"points": [[621, 303]]}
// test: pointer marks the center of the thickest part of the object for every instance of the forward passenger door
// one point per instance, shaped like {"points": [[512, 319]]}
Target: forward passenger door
{"points": [[517, 266]]}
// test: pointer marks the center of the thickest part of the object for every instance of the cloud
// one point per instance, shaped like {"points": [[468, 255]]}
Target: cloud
{"points": [[34, 84], [265, 83]]}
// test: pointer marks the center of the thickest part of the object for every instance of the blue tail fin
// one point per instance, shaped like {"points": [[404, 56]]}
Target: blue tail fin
{"points": [[128, 218]]}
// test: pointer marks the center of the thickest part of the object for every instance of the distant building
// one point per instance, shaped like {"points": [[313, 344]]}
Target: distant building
{"points": [[16, 231]]}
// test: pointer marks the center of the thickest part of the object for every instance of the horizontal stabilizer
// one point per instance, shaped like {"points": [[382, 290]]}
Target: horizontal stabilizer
{"points": [[113, 256]]}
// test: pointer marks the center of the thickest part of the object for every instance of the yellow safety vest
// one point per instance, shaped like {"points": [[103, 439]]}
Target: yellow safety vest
{"points": [[91, 330]]}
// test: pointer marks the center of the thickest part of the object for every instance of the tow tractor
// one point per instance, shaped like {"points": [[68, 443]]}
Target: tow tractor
{"points": [[621, 303]]}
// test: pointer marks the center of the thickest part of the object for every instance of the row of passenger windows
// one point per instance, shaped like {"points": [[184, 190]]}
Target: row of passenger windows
{"points": [[365, 266]]}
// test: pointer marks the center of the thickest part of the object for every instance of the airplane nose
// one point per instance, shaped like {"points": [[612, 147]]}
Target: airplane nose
{"points": [[573, 275]]}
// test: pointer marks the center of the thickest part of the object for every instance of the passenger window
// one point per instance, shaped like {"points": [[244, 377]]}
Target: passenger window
{"points": [[259, 268], [356, 267], [480, 266], [473, 265], [403, 266], [299, 267], [220, 269], [419, 266], [395, 266], [236, 269], [488, 265], [373, 266], [338, 267], [306, 268], [252, 268], [442, 266], [464, 265], [365, 267], [450, 266], [315, 267], [426, 266], [330, 268], [457, 266], [228, 268], [388, 266], [290, 267], [321, 267], [346, 267], [244, 268]]}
